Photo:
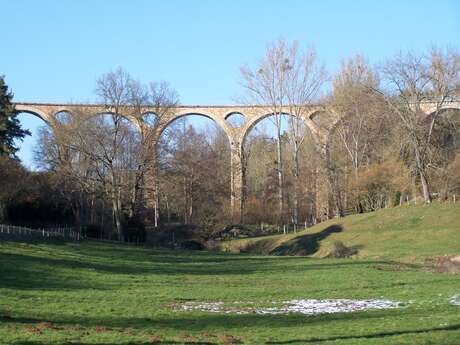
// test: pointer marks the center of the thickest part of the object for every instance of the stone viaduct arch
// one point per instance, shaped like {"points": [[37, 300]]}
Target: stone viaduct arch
{"points": [[37, 112], [320, 120]]}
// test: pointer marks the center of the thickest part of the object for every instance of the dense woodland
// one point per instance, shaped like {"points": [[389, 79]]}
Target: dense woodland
{"points": [[96, 173]]}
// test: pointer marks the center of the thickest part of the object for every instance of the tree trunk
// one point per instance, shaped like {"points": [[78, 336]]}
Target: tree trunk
{"points": [[135, 191], [296, 183], [156, 205], [425, 188], [168, 211], [133, 202], [185, 202], [191, 192], [314, 197], [2, 212], [117, 217], [423, 178], [92, 211], [116, 207], [280, 172], [336, 197]]}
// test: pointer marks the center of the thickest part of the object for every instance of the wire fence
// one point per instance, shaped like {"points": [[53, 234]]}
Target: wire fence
{"points": [[12, 232]]}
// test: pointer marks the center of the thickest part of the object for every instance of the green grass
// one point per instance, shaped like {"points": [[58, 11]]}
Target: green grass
{"points": [[94, 293], [405, 233]]}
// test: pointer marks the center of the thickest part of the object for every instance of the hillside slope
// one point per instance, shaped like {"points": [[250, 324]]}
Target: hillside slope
{"points": [[402, 232]]}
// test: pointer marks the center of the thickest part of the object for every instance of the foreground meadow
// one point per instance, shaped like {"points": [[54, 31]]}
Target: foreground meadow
{"points": [[93, 293]]}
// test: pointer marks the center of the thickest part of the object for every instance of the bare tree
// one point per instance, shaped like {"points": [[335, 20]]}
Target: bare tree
{"points": [[158, 100], [304, 79], [265, 86], [364, 126], [162, 99], [114, 90], [414, 80], [285, 81], [357, 107]]}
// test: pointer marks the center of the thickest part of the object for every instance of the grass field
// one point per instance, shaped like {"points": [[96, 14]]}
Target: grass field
{"points": [[93, 293]]}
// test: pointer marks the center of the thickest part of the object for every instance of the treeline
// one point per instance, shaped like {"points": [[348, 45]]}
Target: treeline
{"points": [[395, 139], [394, 142]]}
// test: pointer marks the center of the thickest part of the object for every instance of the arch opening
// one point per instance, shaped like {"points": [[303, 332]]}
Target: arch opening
{"points": [[194, 174], [32, 111], [279, 191], [63, 117], [235, 119], [150, 118], [28, 151], [198, 120]]}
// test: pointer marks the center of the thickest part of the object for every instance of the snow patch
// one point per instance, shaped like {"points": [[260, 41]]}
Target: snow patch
{"points": [[455, 300], [302, 306]]}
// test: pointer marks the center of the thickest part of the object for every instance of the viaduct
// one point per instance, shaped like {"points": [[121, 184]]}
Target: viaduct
{"points": [[320, 121]]}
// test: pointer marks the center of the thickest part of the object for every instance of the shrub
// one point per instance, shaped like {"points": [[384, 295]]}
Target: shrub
{"points": [[212, 245], [447, 264], [92, 230], [192, 245], [153, 339], [228, 339], [340, 250]]}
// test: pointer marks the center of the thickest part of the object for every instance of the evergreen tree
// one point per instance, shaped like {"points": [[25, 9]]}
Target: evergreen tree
{"points": [[10, 127]]}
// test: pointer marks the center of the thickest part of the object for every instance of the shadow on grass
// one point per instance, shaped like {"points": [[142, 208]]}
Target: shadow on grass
{"points": [[198, 322], [367, 336], [306, 244], [165, 342], [57, 267], [102, 267], [201, 322], [26, 272], [301, 245]]}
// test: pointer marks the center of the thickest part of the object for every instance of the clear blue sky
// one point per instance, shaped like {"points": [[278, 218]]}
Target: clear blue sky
{"points": [[53, 51]]}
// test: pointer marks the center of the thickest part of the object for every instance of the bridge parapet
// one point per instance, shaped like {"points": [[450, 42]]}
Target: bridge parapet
{"points": [[252, 114]]}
